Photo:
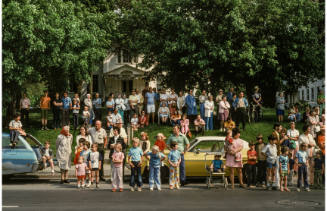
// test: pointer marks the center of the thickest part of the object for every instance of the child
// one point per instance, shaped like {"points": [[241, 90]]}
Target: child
{"points": [[229, 124], [291, 172], [95, 160], [117, 170], [217, 164], [80, 170], [270, 151], [261, 164], [85, 154], [46, 153], [185, 125], [160, 142], [135, 159], [79, 149], [143, 120], [174, 159], [86, 116], [15, 127], [301, 159], [251, 168], [135, 122], [75, 108], [155, 158], [319, 167], [110, 122], [284, 168]]}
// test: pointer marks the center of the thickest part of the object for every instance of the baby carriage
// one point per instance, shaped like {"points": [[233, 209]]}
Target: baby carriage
{"points": [[214, 178]]}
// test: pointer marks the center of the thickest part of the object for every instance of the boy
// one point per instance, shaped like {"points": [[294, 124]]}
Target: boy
{"points": [[155, 158], [301, 159], [217, 164], [174, 159], [284, 168], [46, 153], [270, 151], [319, 167], [135, 159], [261, 164], [95, 160], [85, 153], [86, 116], [251, 168], [15, 127]]}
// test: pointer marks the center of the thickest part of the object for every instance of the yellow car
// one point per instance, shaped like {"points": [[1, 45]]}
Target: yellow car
{"points": [[195, 156]]}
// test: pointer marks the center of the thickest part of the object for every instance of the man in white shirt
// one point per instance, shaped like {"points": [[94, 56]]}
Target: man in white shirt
{"points": [[133, 102], [116, 118], [25, 104]]}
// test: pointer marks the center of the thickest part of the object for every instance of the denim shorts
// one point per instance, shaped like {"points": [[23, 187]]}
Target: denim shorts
{"points": [[271, 165]]}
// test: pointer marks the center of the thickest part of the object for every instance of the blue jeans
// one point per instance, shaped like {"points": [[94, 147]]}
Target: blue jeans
{"points": [[182, 170], [302, 173], [154, 176], [173, 123], [202, 110], [136, 170], [209, 122]]}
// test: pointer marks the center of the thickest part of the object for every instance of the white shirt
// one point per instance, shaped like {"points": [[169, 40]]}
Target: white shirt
{"points": [[209, 107], [173, 96], [110, 103], [223, 105], [180, 102], [163, 97], [88, 103], [134, 121], [122, 133], [86, 114], [271, 152], [15, 124], [308, 139], [120, 103], [87, 138], [98, 136], [94, 158], [203, 98], [116, 118], [25, 103]]}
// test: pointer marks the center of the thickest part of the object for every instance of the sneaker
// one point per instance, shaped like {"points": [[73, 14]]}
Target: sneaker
{"points": [[132, 189], [159, 188], [42, 128], [113, 190], [139, 189], [120, 190], [298, 189], [96, 185], [83, 186], [52, 171], [151, 189], [307, 190], [88, 184], [252, 186], [78, 186], [45, 128], [177, 187]]}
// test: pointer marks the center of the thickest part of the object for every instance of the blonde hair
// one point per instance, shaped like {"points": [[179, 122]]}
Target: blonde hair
{"points": [[156, 148], [136, 140], [118, 146]]}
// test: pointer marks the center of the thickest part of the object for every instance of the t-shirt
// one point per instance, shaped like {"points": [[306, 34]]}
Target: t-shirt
{"points": [[85, 154], [134, 121], [172, 96], [75, 111], [110, 103], [81, 167], [217, 164], [155, 159], [280, 101], [284, 162], [66, 102], [25, 103], [259, 148], [174, 156], [180, 139], [150, 98], [118, 156], [57, 108], [135, 153], [252, 153], [97, 103], [98, 136], [302, 156], [318, 163], [271, 152], [95, 158], [116, 118], [45, 102], [133, 98], [15, 124]]}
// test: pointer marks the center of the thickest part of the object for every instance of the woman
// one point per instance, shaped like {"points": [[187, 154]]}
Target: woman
{"points": [[181, 103], [57, 104], [202, 98], [64, 151], [120, 104], [313, 122], [83, 134], [223, 112], [209, 107], [127, 109], [88, 103], [280, 106], [110, 104], [163, 113], [235, 164], [175, 118]]}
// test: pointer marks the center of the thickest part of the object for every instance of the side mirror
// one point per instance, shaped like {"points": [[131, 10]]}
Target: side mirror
{"points": [[197, 150]]}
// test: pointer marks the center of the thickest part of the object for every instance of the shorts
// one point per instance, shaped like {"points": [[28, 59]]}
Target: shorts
{"points": [[163, 115], [81, 177], [44, 113], [220, 170], [223, 116], [271, 165], [95, 169], [151, 108], [284, 173], [279, 112]]}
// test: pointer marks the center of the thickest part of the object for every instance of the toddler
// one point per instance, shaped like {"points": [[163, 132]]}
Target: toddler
{"points": [[117, 170], [185, 125], [319, 168], [155, 158], [85, 154], [284, 168], [86, 116], [46, 153], [95, 159], [75, 108], [174, 159], [15, 127], [80, 170], [110, 122], [301, 159], [135, 122], [270, 151], [135, 159], [217, 164], [143, 120], [252, 164]]}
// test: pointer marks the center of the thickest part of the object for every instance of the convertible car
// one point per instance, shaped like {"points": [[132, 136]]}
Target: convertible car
{"points": [[24, 158]]}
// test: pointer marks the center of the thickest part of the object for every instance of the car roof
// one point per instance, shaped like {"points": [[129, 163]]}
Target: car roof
{"points": [[210, 138], [5, 134]]}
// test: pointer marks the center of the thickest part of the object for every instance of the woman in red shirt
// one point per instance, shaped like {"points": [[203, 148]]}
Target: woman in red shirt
{"points": [[160, 142]]}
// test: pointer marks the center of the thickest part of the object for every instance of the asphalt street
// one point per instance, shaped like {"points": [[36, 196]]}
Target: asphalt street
{"points": [[43, 194]]}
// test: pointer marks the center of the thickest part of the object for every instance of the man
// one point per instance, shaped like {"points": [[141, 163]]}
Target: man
{"points": [[202, 99], [140, 101], [240, 105], [99, 136], [230, 95], [172, 100], [191, 106], [97, 105], [183, 146], [45, 106], [66, 106], [57, 105], [257, 101], [133, 101], [150, 106], [218, 99], [199, 125], [122, 132], [25, 104]]}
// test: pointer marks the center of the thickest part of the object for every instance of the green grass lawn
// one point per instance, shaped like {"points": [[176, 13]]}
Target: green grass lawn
{"points": [[264, 127]]}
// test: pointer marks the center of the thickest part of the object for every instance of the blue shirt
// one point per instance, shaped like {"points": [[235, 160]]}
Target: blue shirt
{"points": [[136, 153], [217, 164], [66, 102], [191, 105], [155, 159], [150, 97], [302, 157], [174, 156], [284, 162], [97, 103]]}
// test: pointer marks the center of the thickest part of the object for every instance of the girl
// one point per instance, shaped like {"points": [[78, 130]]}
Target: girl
{"points": [[284, 168], [86, 116], [145, 143], [109, 118], [85, 154], [174, 159], [95, 160], [160, 142], [155, 158], [78, 150], [185, 125], [135, 122], [143, 120], [117, 171], [80, 170]]}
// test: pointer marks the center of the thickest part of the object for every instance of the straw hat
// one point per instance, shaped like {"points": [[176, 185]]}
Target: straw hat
{"points": [[161, 135]]}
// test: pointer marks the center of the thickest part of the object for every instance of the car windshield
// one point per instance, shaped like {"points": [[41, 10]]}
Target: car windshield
{"points": [[6, 143], [210, 146], [31, 142]]}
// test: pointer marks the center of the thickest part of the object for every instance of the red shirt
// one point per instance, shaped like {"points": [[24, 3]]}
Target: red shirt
{"points": [[252, 153], [161, 145]]}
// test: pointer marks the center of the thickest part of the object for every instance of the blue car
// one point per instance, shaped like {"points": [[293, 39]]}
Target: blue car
{"points": [[24, 158]]}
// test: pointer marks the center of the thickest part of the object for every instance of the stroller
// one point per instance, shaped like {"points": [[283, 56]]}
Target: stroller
{"points": [[212, 176]]}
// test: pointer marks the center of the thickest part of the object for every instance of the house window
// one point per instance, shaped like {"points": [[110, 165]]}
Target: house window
{"points": [[95, 83], [308, 94], [126, 57], [300, 97], [303, 98], [312, 94]]}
